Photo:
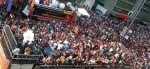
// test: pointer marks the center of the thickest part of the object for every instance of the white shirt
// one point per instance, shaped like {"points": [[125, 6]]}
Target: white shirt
{"points": [[66, 42], [16, 51], [54, 3], [110, 50], [117, 49], [116, 55], [60, 46], [127, 37], [92, 61]]}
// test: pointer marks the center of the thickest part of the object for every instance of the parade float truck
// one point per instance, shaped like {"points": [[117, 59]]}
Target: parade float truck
{"points": [[54, 11]]}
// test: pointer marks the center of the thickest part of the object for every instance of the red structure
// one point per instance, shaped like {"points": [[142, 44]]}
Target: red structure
{"points": [[52, 14], [42, 12], [73, 17], [122, 16]]}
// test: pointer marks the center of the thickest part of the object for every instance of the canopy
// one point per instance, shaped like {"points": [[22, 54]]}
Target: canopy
{"points": [[83, 12]]}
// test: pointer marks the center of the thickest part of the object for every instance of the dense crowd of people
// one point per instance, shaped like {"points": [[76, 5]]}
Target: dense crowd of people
{"points": [[139, 44], [97, 40]]}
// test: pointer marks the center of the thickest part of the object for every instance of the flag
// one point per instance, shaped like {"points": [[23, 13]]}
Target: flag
{"points": [[76, 28]]}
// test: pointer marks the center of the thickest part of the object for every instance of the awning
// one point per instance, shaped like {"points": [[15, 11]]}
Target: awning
{"points": [[83, 12]]}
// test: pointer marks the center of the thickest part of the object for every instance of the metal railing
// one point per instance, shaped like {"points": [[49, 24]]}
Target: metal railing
{"points": [[26, 59], [10, 37], [83, 66], [10, 43]]}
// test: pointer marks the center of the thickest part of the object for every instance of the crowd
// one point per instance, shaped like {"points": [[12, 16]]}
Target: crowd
{"points": [[92, 41], [139, 45]]}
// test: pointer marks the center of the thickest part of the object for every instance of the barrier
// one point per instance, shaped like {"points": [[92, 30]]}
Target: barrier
{"points": [[25, 59], [83, 67], [6, 44]]}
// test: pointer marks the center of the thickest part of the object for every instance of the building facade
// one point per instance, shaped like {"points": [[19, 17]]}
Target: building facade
{"points": [[124, 6], [132, 8], [88, 4], [144, 15]]}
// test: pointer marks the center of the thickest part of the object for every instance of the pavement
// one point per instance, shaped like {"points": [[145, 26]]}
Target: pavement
{"points": [[21, 66]]}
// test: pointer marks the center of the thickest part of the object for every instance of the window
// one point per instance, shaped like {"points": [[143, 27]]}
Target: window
{"points": [[132, 1], [117, 9], [124, 5]]}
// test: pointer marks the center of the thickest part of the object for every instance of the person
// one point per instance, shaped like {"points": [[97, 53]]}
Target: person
{"points": [[2, 2], [27, 51], [9, 5], [46, 2]]}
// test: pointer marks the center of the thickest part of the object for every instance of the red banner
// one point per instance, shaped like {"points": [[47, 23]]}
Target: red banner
{"points": [[122, 16]]}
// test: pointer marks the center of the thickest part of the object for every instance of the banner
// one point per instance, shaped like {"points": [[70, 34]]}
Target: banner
{"points": [[9, 5]]}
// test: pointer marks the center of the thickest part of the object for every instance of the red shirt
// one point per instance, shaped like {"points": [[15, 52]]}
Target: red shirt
{"points": [[99, 45]]}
